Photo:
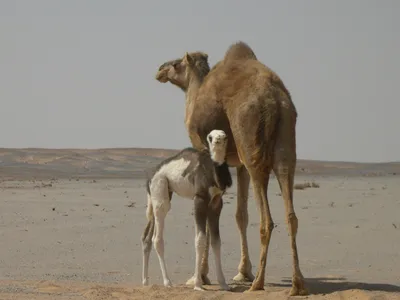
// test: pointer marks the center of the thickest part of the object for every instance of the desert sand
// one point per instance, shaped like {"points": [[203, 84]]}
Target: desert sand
{"points": [[71, 222]]}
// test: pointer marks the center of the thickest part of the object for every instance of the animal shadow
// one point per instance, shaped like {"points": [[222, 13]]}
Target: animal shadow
{"points": [[327, 285]]}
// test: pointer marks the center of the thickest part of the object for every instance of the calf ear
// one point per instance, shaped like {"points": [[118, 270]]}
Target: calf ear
{"points": [[209, 138]]}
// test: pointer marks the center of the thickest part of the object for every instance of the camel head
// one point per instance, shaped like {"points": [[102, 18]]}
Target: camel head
{"points": [[178, 71], [169, 70]]}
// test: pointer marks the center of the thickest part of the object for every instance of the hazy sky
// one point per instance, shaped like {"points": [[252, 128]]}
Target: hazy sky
{"points": [[81, 73]]}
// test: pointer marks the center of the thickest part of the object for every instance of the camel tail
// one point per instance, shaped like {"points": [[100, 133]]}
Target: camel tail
{"points": [[149, 230]]}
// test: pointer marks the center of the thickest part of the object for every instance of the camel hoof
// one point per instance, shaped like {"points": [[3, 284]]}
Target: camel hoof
{"points": [[295, 291], [145, 282], [240, 277], [204, 278], [256, 287], [225, 287], [298, 288]]}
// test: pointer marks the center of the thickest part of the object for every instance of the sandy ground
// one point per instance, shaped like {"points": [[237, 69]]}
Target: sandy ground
{"points": [[80, 239]]}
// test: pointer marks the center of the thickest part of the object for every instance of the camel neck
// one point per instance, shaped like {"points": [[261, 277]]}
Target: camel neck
{"points": [[194, 84]]}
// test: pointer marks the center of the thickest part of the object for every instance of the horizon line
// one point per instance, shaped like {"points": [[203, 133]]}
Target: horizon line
{"points": [[171, 149]]}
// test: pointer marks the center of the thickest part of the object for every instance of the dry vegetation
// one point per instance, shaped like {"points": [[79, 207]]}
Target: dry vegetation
{"points": [[305, 185]]}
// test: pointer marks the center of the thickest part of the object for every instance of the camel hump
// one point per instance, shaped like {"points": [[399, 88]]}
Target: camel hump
{"points": [[239, 51]]}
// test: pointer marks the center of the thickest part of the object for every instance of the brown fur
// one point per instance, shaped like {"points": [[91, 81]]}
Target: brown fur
{"points": [[239, 51], [247, 100]]}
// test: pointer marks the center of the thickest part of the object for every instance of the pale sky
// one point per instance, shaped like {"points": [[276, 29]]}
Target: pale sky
{"points": [[81, 73]]}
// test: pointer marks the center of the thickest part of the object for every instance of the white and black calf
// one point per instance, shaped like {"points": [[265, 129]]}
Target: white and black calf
{"points": [[201, 176]]}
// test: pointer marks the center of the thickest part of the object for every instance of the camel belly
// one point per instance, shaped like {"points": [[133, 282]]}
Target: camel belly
{"points": [[233, 160], [183, 188]]}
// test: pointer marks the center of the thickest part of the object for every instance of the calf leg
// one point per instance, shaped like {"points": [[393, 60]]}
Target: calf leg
{"points": [[204, 263], [159, 245], [147, 241], [214, 212], [200, 211], [161, 206]]}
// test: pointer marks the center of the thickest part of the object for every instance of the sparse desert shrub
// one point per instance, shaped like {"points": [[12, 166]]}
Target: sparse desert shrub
{"points": [[314, 184], [305, 185]]}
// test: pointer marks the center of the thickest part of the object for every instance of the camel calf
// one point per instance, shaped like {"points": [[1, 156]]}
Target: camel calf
{"points": [[199, 175]]}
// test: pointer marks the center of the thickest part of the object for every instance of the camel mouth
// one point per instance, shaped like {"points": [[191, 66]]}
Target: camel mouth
{"points": [[161, 76]]}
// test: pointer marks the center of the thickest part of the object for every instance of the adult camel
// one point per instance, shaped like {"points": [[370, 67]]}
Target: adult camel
{"points": [[249, 101]]}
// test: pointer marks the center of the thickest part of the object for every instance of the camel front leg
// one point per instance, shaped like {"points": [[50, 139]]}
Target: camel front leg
{"points": [[242, 220]]}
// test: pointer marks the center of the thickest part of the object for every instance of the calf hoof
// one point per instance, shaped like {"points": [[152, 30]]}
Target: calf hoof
{"points": [[190, 281], [167, 283], [199, 288]]}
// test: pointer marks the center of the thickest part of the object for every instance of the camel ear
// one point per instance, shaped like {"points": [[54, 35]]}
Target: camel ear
{"points": [[188, 59]]}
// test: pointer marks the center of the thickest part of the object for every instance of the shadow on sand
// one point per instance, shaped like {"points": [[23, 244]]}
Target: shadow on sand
{"points": [[326, 285]]}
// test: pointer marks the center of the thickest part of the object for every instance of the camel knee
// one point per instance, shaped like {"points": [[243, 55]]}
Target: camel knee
{"points": [[293, 223], [201, 241], [242, 218], [265, 232], [215, 239]]}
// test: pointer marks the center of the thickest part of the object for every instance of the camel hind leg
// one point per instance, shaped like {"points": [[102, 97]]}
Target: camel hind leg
{"points": [[260, 187], [286, 185], [284, 169], [242, 220], [255, 143]]}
